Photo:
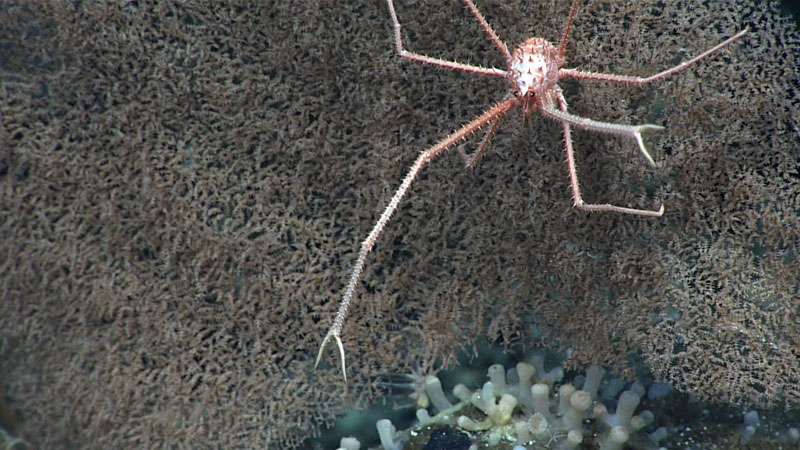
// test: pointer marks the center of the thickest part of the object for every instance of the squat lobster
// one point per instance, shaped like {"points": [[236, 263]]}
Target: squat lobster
{"points": [[533, 72]]}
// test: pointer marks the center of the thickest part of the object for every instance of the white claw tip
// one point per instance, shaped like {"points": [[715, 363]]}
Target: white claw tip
{"points": [[642, 148], [341, 352]]}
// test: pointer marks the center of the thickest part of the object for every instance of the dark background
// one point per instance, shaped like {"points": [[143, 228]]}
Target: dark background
{"points": [[792, 7]]}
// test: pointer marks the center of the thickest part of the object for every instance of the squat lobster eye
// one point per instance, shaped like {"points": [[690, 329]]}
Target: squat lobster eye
{"points": [[531, 94]]}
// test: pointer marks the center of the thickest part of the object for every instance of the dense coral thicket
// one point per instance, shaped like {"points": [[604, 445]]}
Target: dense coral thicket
{"points": [[183, 187]]}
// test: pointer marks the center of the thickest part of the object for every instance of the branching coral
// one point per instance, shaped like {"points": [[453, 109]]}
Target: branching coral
{"points": [[182, 185]]}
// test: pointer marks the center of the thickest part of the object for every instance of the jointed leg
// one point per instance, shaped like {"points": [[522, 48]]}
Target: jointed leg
{"points": [[634, 131], [425, 157], [573, 172], [488, 28], [562, 46], [472, 160], [565, 73], [398, 40]]}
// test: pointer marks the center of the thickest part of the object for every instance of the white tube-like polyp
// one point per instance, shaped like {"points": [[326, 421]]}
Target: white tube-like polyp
{"points": [[628, 401], [642, 420], [614, 387], [525, 372], [616, 439], [522, 431], [793, 435], [555, 375], [494, 438], [538, 425], [594, 375], [579, 403], [748, 433], [462, 392], [501, 413], [564, 393], [497, 375], [540, 394], [471, 425], [600, 412], [658, 435], [488, 392], [349, 443], [423, 416], [574, 439], [386, 433], [433, 387], [751, 418]]}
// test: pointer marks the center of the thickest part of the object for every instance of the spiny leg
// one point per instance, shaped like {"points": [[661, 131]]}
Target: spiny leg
{"points": [[633, 131], [425, 157], [398, 41], [472, 160], [562, 46], [488, 28], [573, 172], [574, 73]]}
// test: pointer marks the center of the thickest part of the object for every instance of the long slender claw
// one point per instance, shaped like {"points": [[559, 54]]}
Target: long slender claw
{"points": [[638, 133], [339, 344], [321, 349], [341, 355]]}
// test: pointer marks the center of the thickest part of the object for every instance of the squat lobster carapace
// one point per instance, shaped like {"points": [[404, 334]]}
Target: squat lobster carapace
{"points": [[533, 72]]}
